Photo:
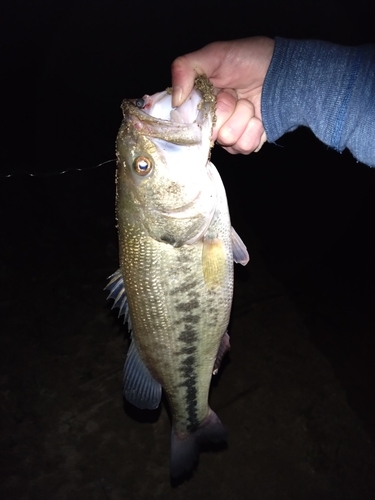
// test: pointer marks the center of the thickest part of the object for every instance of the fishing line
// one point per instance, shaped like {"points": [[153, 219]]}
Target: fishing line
{"points": [[61, 172]]}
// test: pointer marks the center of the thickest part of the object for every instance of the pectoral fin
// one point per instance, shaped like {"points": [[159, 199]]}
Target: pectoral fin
{"points": [[240, 253], [140, 387], [213, 262]]}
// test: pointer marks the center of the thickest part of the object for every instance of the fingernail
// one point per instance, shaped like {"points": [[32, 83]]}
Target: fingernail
{"points": [[176, 95]]}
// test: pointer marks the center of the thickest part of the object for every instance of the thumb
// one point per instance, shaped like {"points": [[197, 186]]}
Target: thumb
{"points": [[186, 68], [183, 76]]}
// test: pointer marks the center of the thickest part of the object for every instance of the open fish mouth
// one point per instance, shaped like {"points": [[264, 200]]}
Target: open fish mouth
{"points": [[160, 106], [154, 116]]}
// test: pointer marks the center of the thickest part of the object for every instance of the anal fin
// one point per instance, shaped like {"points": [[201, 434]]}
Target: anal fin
{"points": [[224, 347], [140, 387]]}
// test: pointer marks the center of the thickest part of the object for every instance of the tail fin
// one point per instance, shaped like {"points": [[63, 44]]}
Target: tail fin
{"points": [[185, 447]]}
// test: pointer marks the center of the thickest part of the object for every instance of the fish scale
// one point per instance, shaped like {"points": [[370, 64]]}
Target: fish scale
{"points": [[175, 282], [171, 321]]}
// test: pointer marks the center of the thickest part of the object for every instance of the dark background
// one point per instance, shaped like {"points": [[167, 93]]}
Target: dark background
{"points": [[307, 211], [67, 66]]}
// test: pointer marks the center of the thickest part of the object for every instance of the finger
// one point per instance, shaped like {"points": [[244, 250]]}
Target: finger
{"points": [[186, 68], [225, 105], [235, 126], [183, 76], [263, 139], [252, 138]]}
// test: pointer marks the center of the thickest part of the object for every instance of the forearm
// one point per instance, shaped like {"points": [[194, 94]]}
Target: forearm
{"points": [[326, 87]]}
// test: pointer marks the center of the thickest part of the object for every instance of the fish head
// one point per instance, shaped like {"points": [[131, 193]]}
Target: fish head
{"points": [[164, 176]]}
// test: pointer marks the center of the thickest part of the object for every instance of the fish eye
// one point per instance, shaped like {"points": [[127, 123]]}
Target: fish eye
{"points": [[142, 165], [140, 103]]}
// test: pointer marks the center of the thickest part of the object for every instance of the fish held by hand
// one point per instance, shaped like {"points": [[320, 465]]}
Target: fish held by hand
{"points": [[176, 247]]}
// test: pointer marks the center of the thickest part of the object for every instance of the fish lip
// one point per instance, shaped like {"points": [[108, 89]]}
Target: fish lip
{"points": [[184, 134], [130, 108], [175, 133]]}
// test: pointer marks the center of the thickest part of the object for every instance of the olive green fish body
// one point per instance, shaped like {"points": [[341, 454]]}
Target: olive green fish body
{"points": [[180, 300], [177, 247]]}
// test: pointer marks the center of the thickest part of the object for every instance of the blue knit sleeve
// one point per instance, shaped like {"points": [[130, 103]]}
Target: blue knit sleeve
{"points": [[328, 88]]}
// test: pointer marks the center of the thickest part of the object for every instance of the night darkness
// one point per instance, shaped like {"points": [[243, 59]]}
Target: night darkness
{"points": [[297, 392]]}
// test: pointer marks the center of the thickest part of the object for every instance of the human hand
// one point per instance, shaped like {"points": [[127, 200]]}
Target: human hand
{"points": [[237, 68]]}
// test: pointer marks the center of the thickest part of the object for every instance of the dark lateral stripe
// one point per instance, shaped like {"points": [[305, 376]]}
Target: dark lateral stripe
{"points": [[187, 350], [185, 287], [187, 306], [188, 371], [188, 318], [188, 335]]}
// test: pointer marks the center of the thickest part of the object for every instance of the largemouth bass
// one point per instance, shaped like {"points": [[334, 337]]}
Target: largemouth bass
{"points": [[176, 247]]}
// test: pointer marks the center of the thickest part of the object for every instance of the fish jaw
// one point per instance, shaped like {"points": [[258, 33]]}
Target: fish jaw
{"points": [[190, 124]]}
